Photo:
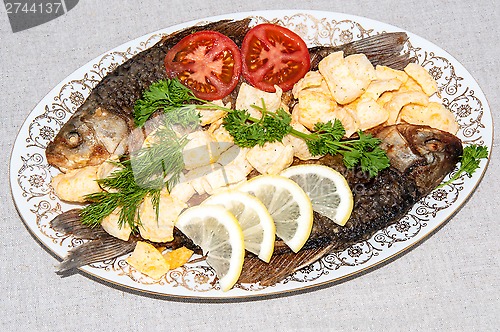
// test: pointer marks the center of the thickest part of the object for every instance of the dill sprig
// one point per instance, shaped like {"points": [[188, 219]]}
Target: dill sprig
{"points": [[145, 172], [469, 162], [160, 162], [123, 193]]}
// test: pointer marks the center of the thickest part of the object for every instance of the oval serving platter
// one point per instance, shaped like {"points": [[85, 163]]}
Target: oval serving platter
{"points": [[30, 175]]}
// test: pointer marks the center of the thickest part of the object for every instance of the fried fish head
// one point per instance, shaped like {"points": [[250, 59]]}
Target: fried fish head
{"points": [[88, 139], [426, 154]]}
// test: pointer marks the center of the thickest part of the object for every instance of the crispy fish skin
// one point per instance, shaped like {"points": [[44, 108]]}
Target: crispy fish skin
{"points": [[101, 126], [420, 158]]}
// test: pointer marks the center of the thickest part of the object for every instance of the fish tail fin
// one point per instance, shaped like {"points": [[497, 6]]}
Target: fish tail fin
{"points": [[69, 222], [97, 250], [383, 49], [101, 246]]}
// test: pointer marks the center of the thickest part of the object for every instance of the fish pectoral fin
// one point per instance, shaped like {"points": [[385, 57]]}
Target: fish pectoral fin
{"points": [[98, 250], [69, 222], [281, 265]]}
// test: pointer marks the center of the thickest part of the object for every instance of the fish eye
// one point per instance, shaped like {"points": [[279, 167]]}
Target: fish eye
{"points": [[73, 138], [434, 144]]}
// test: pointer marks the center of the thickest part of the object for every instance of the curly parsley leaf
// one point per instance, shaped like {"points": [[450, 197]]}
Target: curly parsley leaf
{"points": [[469, 162]]}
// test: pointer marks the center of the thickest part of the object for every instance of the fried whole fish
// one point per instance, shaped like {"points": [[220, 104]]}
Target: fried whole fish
{"points": [[100, 127], [420, 158]]}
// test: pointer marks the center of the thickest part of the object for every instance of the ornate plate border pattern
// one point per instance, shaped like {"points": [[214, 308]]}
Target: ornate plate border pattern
{"points": [[37, 203]]}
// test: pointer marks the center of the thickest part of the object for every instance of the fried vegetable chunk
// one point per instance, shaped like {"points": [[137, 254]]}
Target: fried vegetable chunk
{"points": [[148, 260]]}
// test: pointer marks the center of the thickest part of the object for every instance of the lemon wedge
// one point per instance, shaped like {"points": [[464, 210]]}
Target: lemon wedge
{"points": [[288, 205], [255, 221], [219, 235], [328, 190]]}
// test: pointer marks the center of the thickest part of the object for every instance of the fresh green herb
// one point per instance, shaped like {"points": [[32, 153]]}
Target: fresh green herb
{"points": [[365, 151], [248, 132], [124, 194], [145, 173], [160, 162], [165, 94], [469, 162]]}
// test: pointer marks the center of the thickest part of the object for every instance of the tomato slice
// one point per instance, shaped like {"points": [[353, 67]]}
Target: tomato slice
{"points": [[274, 55], [207, 62]]}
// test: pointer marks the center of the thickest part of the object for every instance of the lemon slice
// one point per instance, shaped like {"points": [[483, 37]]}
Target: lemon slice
{"points": [[219, 235], [328, 190], [288, 205], [255, 221]]}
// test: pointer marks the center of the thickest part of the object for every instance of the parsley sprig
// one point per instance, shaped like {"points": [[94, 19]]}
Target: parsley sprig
{"points": [[469, 162], [326, 138], [169, 95]]}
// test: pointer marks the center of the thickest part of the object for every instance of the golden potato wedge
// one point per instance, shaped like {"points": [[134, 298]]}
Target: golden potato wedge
{"points": [[347, 78], [178, 257], [434, 115], [148, 260], [400, 99], [422, 77], [312, 79], [370, 114], [313, 107], [378, 87], [387, 73]]}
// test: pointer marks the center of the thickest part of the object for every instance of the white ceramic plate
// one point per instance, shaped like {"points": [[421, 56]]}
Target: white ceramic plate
{"points": [[30, 174]]}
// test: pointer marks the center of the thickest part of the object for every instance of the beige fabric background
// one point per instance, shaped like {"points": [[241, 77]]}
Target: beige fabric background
{"points": [[448, 283]]}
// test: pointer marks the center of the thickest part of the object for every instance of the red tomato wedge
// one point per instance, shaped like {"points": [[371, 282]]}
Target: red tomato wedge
{"points": [[207, 62], [274, 55]]}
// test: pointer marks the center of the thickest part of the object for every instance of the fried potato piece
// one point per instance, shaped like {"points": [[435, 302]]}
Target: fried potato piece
{"points": [[347, 115], [271, 158], [202, 149], [347, 78], [299, 146], [422, 77], [434, 115], [400, 99], [410, 85], [183, 190], [314, 107], [197, 177], [75, 184], [178, 257], [370, 114], [387, 73], [148, 260], [159, 229], [210, 116], [248, 96], [378, 87], [313, 80], [112, 227]]}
